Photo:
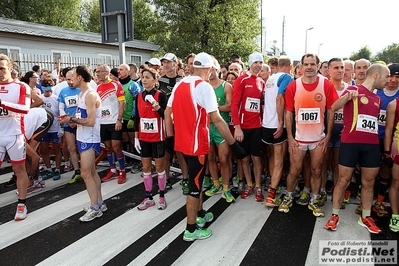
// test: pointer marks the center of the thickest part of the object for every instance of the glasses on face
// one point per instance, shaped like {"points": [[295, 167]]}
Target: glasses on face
{"points": [[33, 77]]}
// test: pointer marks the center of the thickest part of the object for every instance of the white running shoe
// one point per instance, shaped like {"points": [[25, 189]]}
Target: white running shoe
{"points": [[91, 214], [21, 213]]}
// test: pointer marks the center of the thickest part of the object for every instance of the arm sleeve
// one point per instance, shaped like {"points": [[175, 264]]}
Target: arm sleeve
{"points": [[236, 101]]}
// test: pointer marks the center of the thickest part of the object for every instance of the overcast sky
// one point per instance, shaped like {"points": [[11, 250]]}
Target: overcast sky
{"points": [[341, 26]]}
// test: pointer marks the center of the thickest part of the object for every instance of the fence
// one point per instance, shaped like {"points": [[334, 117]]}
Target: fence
{"points": [[24, 62]]}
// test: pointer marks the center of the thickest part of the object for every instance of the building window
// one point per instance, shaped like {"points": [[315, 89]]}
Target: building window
{"points": [[12, 52], [105, 59], [135, 59], [63, 56]]}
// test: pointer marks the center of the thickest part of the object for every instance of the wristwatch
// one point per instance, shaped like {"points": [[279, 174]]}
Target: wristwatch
{"points": [[70, 119], [155, 104]]}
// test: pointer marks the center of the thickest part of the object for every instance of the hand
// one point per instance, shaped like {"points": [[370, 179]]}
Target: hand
{"points": [[292, 145], [64, 119], [238, 151], [387, 160], [238, 134], [149, 98], [130, 124], [137, 145], [118, 125], [278, 132], [60, 132], [352, 94]]}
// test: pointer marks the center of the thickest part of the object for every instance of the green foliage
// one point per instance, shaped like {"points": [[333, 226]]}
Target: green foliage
{"points": [[64, 13], [219, 27], [390, 54], [364, 52], [90, 16]]}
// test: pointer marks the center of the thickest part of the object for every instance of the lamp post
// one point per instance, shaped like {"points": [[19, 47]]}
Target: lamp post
{"points": [[318, 50], [306, 39]]}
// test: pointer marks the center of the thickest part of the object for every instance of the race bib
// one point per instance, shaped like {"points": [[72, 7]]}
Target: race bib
{"points": [[252, 105], [230, 121], [71, 101], [149, 125], [309, 116], [382, 117], [339, 117], [4, 113], [78, 115], [106, 112], [47, 105], [367, 123]]}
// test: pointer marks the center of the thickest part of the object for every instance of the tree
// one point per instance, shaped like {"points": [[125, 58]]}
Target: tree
{"points": [[90, 16], [50, 12], [219, 27], [390, 54], [364, 52]]}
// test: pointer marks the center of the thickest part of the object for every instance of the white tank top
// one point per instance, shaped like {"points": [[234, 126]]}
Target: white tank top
{"points": [[84, 133], [270, 118]]}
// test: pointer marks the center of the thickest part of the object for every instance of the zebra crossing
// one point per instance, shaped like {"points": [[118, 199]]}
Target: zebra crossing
{"points": [[244, 232]]}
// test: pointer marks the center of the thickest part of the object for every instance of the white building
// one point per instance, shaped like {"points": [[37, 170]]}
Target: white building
{"points": [[30, 44]]}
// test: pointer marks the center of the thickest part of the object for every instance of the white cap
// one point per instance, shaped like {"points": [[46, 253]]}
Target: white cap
{"points": [[203, 60], [254, 57], [169, 57], [154, 61]]}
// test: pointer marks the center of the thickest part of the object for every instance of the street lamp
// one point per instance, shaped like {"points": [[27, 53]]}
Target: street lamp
{"points": [[306, 39], [318, 51]]}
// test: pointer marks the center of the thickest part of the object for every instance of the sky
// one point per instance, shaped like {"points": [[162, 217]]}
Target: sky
{"points": [[340, 27]]}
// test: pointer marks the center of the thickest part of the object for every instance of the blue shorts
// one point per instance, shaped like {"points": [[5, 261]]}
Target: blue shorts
{"points": [[83, 146], [53, 137]]}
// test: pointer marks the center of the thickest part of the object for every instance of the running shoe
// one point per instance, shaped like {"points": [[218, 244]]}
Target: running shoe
{"points": [[47, 175], [68, 167], [394, 224], [122, 177], [285, 205], [214, 189], [226, 194], [91, 214], [272, 202], [332, 223], [380, 209], [12, 182], [207, 182], [296, 193], [169, 185], [259, 195], [241, 186], [57, 175], [145, 204], [208, 217], [347, 197], [162, 204], [359, 209], [323, 198], [199, 233], [21, 213], [247, 192], [75, 178], [103, 208], [184, 186], [110, 175], [304, 199], [369, 223], [34, 188], [314, 206]]}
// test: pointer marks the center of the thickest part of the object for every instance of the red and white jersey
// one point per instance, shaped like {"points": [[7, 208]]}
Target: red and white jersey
{"points": [[15, 102], [111, 94], [191, 101]]}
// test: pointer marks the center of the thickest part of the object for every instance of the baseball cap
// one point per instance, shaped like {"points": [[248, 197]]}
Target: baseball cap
{"points": [[203, 60], [254, 57], [49, 88], [169, 57], [154, 61], [394, 69]]}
